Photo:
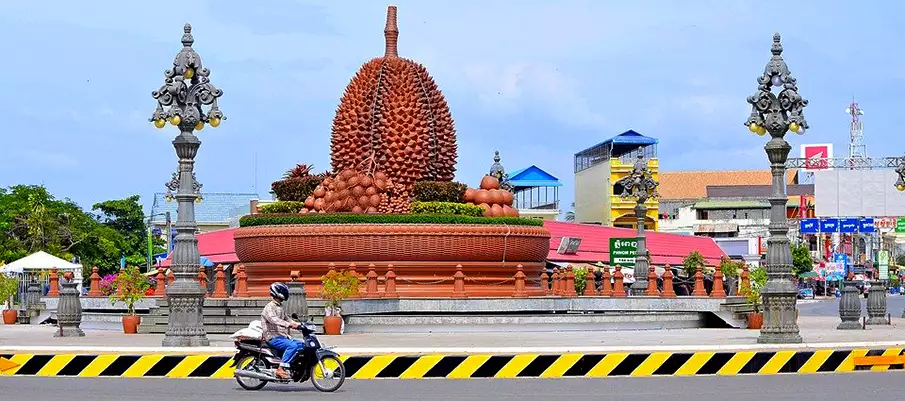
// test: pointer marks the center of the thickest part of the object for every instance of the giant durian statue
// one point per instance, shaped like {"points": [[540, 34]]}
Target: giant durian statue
{"points": [[393, 118]]}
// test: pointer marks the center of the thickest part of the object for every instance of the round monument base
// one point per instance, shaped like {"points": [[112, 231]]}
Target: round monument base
{"points": [[424, 256], [413, 279]]}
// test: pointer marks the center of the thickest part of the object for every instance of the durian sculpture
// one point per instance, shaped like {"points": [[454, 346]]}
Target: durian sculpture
{"points": [[393, 115]]}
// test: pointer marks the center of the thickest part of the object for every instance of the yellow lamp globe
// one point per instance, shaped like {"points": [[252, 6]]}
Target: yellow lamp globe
{"points": [[160, 123], [199, 126], [900, 187], [794, 127], [761, 130], [753, 127], [215, 122], [175, 120], [189, 73]]}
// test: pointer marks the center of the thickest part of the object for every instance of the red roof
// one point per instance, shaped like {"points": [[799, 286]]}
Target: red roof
{"points": [[217, 246], [595, 244]]}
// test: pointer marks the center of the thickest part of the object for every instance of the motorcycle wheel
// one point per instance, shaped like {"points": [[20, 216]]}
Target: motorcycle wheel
{"points": [[335, 374], [248, 363]]}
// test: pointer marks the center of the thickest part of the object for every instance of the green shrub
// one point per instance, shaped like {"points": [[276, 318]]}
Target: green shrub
{"points": [[284, 219], [282, 207], [446, 208], [691, 262], [581, 280], [439, 191]]}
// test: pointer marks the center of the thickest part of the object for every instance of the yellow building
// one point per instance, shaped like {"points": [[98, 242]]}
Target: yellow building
{"points": [[597, 168]]}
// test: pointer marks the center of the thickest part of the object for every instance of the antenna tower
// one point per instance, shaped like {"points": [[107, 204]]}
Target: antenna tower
{"points": [[857, 150]]}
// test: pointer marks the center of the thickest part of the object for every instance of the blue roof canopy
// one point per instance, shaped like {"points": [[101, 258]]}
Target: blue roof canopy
{"points": [[533, 176], [628, 138]]}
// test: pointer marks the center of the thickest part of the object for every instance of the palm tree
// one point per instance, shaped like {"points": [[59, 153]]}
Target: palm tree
{"points": [[570, 215]]}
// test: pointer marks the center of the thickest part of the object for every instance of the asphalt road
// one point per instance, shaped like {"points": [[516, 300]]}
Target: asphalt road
{"points": [[894, 305], [820, 387]]}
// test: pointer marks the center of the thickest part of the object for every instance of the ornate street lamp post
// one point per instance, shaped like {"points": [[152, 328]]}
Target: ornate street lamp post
{"points": [[640, 184], [776, 114], [185, 91]]}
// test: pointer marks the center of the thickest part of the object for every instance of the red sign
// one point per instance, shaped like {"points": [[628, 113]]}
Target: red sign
{"points": [[817, 156]]}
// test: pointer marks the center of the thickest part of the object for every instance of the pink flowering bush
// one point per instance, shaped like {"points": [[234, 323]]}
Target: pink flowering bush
{"points": [[107, 284]]}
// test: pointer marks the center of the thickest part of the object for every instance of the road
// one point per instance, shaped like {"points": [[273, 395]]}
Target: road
{"points": [[820, 387], [830, 307]]}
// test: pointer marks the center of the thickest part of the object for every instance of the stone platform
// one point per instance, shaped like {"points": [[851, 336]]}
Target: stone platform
{"points": [[815, 330]]}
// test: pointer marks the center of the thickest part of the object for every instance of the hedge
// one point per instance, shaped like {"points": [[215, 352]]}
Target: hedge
{"points": [[282, 207], [446, 208], [284, 219], [439, 191]]}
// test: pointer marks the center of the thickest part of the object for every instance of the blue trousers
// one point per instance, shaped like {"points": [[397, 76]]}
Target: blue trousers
{"points": [[289, 347]]}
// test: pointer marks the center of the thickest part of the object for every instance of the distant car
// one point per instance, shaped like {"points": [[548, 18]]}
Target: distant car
{"points": [[805, 293]]}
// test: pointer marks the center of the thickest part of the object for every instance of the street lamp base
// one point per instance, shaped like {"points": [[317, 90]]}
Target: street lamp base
{"points": [[639, 288], [185, 325], [849, 325], [779, 338]]}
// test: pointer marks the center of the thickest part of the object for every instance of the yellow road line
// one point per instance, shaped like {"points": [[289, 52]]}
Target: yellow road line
{"points": [[736, 363], [651, 364], [142, 365], [815, 361], [187, 366], [694, 364], [775, 364], [55, 365], [421, 367], [374, 366], [468, 367], [607, 364], [515, 366], [561, 365]]}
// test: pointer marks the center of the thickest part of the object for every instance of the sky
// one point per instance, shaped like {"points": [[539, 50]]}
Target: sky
{"points": [[536, 80]]}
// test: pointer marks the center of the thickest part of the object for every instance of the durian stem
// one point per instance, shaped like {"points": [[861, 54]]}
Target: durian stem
{"points": [[391, 33]]}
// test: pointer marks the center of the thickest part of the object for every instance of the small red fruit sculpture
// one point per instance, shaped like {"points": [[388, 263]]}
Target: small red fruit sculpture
{"points": [[495, 201]]}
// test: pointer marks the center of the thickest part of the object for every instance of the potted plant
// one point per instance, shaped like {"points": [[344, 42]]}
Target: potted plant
{"points": [[130, 286], [758, 280], [8, 288], [337, 286]]}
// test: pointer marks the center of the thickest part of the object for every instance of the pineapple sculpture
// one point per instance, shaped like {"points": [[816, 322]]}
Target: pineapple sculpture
{"points": [[393, 119]]}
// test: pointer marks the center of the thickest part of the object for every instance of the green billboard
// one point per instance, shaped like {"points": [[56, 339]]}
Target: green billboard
{"points": [[900, 225], [622, 251]]}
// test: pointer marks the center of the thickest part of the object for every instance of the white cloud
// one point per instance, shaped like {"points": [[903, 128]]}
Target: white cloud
{"points": [[513, 87]]}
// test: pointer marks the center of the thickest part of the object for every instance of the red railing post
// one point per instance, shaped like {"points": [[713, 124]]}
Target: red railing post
{"points": [[668, 290], [618, 286], [520, 283], [371, 283], [389, 289], [54, 290], [95, 289], [219, 284], [241, 290], [459, 283]]}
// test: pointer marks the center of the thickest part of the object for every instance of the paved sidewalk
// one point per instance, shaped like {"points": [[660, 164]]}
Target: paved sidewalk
{"points": [[814, 330]]}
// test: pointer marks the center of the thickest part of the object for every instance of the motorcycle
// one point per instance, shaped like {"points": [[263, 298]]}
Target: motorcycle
{"points": [[256, 361]]}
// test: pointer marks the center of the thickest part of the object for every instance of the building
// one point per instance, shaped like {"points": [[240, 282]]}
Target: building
{"points": [[737, 217], [597, 168], [683, 188], [215, 212], [535, 193]]}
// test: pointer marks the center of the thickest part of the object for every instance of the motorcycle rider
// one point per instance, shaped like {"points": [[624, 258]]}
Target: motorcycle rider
{"points": [[276, 327]]}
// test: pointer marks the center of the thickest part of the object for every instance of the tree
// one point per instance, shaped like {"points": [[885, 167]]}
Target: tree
{"points": [[691, 262], [32, 220], [801, 260]]}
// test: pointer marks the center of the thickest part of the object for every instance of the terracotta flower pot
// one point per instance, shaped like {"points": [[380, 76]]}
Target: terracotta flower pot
{"points": [[130, 324], [10, 316], [755, 320], [332, 325]]}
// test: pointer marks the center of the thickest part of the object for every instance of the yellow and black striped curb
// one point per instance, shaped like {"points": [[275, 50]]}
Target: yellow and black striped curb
{"points": [[441, 366]]}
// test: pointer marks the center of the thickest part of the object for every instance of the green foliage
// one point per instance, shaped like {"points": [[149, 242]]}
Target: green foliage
{"points": [[283, 219], [691, 262], [8, 288], [297, 184], [338, 286], [130, 287], [31, 220], [581, 280], [439, 191], [448, 208], [758, 277], [282, 207], [729, 267], [801, 260]]}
